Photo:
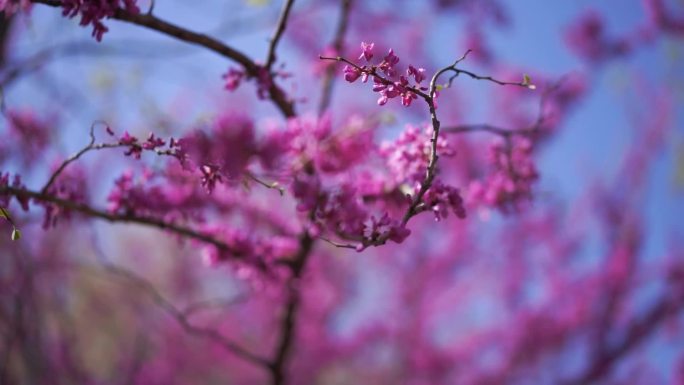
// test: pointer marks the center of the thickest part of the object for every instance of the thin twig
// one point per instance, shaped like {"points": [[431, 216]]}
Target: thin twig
{"points": [[636, 333], [277, 34], [337, 244], [91, 146], [328, 80], [372, 71], [272, 185]]}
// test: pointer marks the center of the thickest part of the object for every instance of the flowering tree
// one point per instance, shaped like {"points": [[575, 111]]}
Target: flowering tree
{"points": [[353, 235]]}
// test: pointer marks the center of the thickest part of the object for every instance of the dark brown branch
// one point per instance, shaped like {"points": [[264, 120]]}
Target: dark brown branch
{"points": [[200, 306], [122, 218], [328, 80], [278, 33], [152, 22], [287, 326]]}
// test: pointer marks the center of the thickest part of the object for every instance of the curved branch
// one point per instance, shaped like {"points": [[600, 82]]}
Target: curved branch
{"points": [[152, 22], [278, 33], [91, 146]]}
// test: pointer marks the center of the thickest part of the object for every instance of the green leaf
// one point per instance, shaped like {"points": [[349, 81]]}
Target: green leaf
{"points": [[16, 234], [4, 213]]}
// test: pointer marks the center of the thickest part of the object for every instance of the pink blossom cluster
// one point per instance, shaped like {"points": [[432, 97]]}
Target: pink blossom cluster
{"points": [[326, 171], [388, 81], [71, 185], [320, 167], [560, 102], [223, 152], [152, 143], [663, 18], [257, 256], [28, 132], [587, 37], [92, 12], [264, 79], [330, 184], [510, 183], [407, 157], [138, 197], [442, 199]]}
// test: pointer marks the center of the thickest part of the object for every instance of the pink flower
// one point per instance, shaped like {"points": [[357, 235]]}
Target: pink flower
{"points": [[407, 97], [93, 12], [367, 50], [233, 79], [417, 73], [388, 63], [351, 73]]}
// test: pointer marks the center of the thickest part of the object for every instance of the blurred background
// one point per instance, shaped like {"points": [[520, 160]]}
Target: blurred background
{"points": [[583, 285]]}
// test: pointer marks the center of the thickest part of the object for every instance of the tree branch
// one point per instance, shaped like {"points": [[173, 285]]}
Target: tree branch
{"points": [[277, 34], [152, 22], [635, 334], [91, 146], [328, 80], [182, 317], [123, 218], [287, 326]]}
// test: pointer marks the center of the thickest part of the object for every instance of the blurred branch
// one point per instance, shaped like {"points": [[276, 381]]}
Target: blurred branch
{"points": [[182, 317], [278, 33], [123, 218], [635, 334], [287, 325], [328, 80], [200, 306]]}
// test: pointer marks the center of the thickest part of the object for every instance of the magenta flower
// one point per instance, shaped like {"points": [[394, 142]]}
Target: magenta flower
{"points": [[417, 73], [366, 50], [93, 12], [351, 74], [233, 79], [388, 63]]}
